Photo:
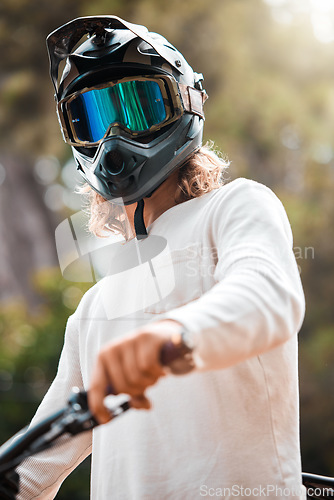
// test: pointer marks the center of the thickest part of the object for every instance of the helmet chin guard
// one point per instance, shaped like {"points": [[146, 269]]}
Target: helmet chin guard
{"points": [[125, 171]]}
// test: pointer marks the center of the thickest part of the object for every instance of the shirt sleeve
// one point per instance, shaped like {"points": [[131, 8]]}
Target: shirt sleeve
{"points": [[42, 474], [257, 302]]}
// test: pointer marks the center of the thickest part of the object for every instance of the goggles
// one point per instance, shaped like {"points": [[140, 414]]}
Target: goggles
{"points": [[139, 105]]}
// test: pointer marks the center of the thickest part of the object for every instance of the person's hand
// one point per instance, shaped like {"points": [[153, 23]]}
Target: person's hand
{"points": [[129, 365]]}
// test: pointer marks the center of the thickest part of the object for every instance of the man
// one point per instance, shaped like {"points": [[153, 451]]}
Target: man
{"points": [[215, 275]]}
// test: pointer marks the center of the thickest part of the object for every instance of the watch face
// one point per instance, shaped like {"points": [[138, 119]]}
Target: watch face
{"points": [[188, 340], [177, 356], [182, 365]]}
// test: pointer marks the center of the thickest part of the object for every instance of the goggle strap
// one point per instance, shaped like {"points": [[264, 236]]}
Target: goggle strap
{"points": [[193, 99]]}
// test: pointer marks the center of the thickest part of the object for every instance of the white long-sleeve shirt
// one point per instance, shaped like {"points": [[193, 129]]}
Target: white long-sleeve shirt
{"points": [[223, 266]]}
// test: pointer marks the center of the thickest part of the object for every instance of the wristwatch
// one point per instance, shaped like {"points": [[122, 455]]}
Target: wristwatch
{"points": [[177, 354]]}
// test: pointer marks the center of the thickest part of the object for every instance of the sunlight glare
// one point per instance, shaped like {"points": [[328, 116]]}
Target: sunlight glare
{"points": [[322, 19], [322, 5], [320, 12]]}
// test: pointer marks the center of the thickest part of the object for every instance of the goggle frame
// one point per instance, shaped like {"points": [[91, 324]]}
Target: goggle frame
{"points": [[170, 91]]}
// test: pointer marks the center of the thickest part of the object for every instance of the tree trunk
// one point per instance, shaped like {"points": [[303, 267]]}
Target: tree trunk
{"points": [[26, 230]]}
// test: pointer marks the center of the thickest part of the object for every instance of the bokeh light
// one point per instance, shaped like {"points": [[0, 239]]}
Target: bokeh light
{"points": [[320, 13]]}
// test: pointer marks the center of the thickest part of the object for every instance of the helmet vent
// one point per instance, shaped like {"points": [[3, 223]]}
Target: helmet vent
{"points": [[146, 48], [106, 49], [170, 47], [120, 185], [113, 163], [117, 159]]}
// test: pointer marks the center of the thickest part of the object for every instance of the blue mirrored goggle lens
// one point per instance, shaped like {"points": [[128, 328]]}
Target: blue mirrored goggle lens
{"points": [[136, 104]]}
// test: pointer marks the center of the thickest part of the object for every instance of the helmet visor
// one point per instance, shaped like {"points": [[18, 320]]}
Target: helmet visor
{"points": [[139, 105]]}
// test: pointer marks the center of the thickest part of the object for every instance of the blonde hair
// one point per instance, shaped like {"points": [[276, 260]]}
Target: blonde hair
{"points": [[201, 173]]}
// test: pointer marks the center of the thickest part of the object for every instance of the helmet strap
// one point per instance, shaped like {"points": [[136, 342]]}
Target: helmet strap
{"points": [[140, 228]]}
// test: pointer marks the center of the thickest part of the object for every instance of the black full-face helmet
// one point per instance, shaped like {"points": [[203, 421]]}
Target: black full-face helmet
{"points": [[128, 103]]}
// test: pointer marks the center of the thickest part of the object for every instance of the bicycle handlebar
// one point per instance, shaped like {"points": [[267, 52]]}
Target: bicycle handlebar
{"points": [[76, 418]]}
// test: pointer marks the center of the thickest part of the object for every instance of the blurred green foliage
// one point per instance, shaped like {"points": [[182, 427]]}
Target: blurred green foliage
{"points": [[270, 110], [30, 345]]}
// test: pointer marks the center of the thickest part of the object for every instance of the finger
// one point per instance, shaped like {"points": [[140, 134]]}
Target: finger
{"points": [[147, 358], [115, 371], [137, 379], [140, 402], [97, 393]]}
